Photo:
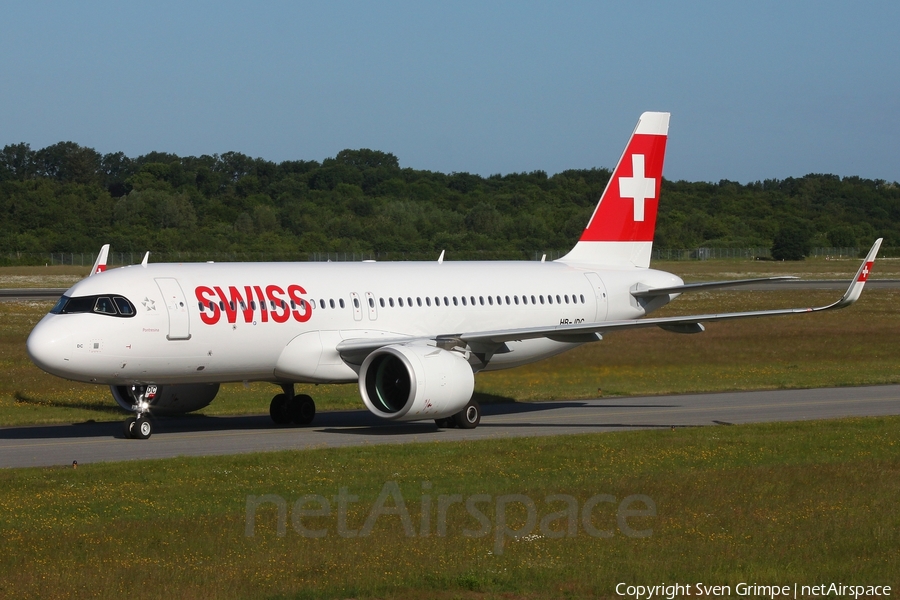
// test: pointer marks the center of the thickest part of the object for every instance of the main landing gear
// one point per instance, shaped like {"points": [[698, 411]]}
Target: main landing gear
{"points": [[139, 426], [288, 408], [467, 418]]}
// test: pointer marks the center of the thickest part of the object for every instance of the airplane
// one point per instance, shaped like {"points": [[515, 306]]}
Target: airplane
{"points": [[411, 335]]}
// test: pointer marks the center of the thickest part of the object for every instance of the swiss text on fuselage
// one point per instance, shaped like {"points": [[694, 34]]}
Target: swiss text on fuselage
{"points": [[249, 303]]}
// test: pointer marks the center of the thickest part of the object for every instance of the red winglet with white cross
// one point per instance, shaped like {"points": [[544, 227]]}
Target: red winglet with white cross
{"points": [[864, 274]]}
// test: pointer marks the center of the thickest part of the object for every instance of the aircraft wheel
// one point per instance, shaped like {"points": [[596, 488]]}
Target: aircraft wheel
{"points": [[142, 429], [304, 410], [129, 427], [445, 423], [470, 416], [279, 410]]}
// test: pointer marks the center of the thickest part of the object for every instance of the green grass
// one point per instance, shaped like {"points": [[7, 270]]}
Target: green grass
{"points": [[856, 346], [809, 502]]}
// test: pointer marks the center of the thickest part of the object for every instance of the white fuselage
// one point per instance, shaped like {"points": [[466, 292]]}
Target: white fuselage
{"points": [[204, 322]]}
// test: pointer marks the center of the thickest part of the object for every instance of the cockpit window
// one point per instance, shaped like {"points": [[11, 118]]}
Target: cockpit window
{"points": [[124, 306], [105, 306], [114, 306], [57, 308]]}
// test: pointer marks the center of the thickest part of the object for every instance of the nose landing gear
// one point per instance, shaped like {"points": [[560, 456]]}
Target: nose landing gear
{"points": [[139, 426], [289, 408]]}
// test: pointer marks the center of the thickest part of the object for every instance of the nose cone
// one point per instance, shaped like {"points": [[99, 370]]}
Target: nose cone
{"points": [[48, 346]]}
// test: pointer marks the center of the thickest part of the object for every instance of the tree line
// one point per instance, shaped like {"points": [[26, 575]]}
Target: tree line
{"points": [[70, 198]]}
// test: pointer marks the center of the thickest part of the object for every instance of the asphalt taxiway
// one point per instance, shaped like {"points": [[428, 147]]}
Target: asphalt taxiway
{"points": [[198, 435]]}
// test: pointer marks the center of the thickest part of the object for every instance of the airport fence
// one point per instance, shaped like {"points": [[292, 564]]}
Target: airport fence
{"points": [[86, 259]]}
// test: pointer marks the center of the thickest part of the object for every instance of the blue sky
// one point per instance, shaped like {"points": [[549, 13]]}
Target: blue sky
{"points": [[756, 90]]}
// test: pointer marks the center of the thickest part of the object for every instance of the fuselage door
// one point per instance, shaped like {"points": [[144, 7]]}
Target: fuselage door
{"points": [[370, 302], [600, 294], [357, 306], [176, 306]]}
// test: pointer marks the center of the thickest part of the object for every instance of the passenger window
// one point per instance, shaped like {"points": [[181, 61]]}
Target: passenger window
{"points": [[491, 300], [446, 302], [400, 301], [463, 300], [567, 298], [508, 302], [549, 299], [582, 298], [558, 300], [516, 299], [381, 301], [481, 298], [419, 301], [341, 302], [472, 298], [427, 301], [455, 303], [355, 303], [391, 302], [532, 300], [322, 303], [331, 302], [499, 300], [221, 305]]}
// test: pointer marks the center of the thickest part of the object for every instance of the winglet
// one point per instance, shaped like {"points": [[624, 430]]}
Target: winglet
{"points": [[862, 275], [100, 265]]}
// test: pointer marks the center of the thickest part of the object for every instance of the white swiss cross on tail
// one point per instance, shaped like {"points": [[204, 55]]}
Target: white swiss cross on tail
{"points": [[637, 187]]}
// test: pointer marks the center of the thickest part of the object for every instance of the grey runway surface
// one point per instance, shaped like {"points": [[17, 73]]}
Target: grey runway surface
{"points": [[201, 435]]}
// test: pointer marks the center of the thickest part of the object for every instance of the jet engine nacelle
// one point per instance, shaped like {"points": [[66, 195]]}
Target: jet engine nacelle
{"points": [[408, 383], [171, 399]]}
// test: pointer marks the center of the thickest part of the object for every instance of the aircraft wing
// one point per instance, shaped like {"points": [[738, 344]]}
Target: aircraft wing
{"points": [[707, 285], [684, 324], [355, 350]]}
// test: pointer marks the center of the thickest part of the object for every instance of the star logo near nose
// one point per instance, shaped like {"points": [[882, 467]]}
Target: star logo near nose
{"points": [[149, 303]]}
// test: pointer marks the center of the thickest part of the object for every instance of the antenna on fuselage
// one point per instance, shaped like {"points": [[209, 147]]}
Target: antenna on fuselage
{"points": [[543, 258], [441, 257], [146, 258]]}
